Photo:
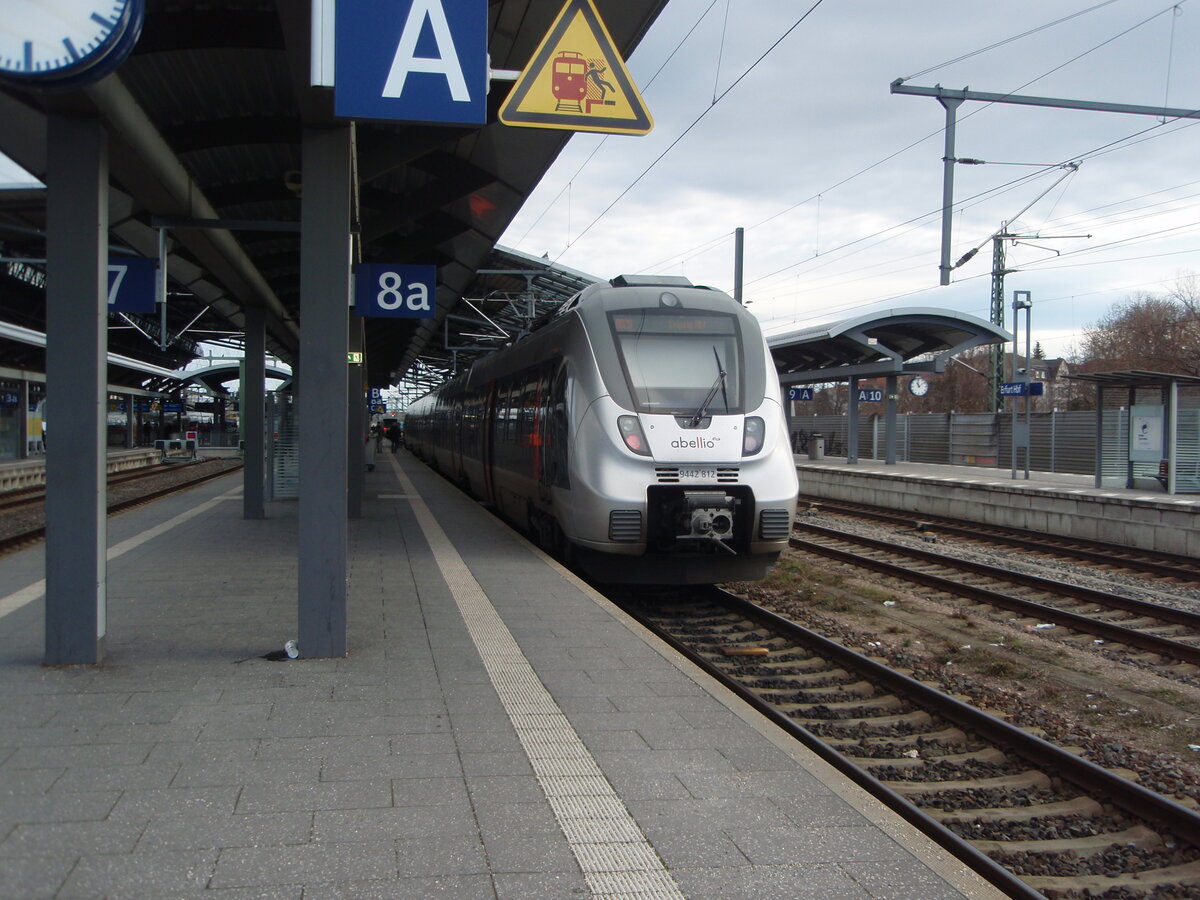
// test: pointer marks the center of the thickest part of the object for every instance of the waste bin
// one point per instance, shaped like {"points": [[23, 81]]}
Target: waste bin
{"points": [[816, 446]]}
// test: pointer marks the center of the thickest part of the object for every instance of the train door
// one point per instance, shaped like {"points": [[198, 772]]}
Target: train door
{"points": [[456, 470], [555, 472], [488, 441]]}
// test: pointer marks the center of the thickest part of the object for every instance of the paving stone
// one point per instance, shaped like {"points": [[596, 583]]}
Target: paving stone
{"points": [[187, 766]]}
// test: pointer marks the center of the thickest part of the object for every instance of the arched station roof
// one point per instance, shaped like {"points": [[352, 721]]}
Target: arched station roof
{"points": [[205, 125], [213, 376], [894, 342]]}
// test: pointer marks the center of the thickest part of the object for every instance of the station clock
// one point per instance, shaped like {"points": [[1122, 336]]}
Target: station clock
{"points": [[66, 43], [918, 386]]}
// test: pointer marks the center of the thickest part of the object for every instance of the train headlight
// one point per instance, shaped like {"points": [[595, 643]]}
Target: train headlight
{"points": [[752, 435], [631, 434]]}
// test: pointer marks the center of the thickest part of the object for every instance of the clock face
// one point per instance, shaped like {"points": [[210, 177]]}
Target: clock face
{"points": [[61, 41], [918, 386]]}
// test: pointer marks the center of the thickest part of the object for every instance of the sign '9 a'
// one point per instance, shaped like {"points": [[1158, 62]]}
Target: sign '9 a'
{"points": [[405, 292]]}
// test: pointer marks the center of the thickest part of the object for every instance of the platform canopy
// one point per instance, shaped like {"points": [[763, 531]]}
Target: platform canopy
{"points": [[205, 124], [1135, 378], [214, 376], [893, 342]]}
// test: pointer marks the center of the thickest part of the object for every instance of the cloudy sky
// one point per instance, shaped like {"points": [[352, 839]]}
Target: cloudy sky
{"points": [[791, 132]]}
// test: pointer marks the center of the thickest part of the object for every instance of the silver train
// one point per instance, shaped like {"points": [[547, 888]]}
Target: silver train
{"points": [[639, 434]]}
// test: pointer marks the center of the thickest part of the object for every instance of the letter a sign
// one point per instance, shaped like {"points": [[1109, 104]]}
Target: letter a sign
{"points": [[412, 60]]}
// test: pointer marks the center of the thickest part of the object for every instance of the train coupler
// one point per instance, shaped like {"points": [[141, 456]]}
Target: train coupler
{"points": [[708, 516]]}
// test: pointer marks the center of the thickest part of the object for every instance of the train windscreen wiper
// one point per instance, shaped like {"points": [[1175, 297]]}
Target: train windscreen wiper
{"points": [[712, 392]]}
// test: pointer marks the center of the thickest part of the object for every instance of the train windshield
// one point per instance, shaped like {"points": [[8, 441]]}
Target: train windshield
{"points": [[680, 362]]}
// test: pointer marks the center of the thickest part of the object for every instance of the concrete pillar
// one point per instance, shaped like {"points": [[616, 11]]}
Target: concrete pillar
{"points": [[23, 419], [356, 421], [322, 411], [130, 421], [852, 422], [76, 379], [889, 435], [250, 414]]}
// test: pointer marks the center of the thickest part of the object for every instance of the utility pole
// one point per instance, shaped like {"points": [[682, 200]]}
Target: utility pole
{"points": [[996, 369], [951, 99]]}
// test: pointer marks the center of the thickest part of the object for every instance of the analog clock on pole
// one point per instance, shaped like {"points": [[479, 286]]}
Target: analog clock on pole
{"points": [[66, 43]]}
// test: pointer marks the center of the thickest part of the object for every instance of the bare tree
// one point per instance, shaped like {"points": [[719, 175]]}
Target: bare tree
{"points": [[1148, 331], [963, 387]]}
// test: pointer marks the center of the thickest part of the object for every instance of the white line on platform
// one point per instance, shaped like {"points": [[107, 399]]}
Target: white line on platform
{"points": [[612, 850], [27, 595]]}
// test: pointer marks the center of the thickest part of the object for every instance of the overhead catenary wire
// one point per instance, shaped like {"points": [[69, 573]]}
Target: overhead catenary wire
{"points": [[1123, 143], [650, 81], [699, 118], [1009, 40], [939, 131], [1051, 71]]}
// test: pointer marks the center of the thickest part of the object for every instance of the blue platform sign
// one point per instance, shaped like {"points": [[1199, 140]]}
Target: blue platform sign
{"points": [[132, 284], [870, 395], [1021, 389], [412, 60], [800, 393], [403, 292]]}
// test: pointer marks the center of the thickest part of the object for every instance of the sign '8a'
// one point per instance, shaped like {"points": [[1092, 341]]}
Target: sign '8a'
{"points": [[384, 289]]}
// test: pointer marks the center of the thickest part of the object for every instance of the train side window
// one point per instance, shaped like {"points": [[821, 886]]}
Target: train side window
{"points": [[557, 473], [527, 415], [504, 422]]}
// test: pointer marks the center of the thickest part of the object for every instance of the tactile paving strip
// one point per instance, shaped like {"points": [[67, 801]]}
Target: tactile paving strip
{"points": [[614, 854]]}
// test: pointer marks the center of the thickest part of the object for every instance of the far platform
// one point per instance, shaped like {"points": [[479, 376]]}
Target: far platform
{"points": [[1054, 503]]}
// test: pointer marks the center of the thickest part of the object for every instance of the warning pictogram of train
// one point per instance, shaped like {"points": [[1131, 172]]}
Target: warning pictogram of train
{"points": [[577, 81]]}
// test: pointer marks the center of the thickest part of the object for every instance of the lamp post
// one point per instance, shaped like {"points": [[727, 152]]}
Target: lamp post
{"points": [[1021, 301]]}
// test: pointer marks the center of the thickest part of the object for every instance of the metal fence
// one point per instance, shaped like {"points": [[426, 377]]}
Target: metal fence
{"points": [[1059, 441]]}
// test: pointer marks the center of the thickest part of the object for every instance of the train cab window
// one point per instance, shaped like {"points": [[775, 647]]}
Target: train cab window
{"points": [[676, 361]]}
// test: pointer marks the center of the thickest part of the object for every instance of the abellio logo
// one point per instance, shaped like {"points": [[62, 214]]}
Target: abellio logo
{"points": [[696, 443]]}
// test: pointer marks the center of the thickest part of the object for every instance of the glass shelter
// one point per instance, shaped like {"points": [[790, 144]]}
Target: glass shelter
{"points": [[1147, 430]]}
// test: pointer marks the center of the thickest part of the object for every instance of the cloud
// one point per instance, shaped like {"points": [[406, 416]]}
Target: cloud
{"points": [[838, 183]]}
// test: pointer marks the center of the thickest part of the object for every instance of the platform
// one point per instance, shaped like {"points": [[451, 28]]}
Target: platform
{"points": [[21, 474], [1054, 503], [497, 730]]}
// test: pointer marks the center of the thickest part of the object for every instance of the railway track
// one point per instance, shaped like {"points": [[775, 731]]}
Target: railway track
{"points": [[25, 536], [1034, 818], [1147, 633], [14, 500], [1105, 556]]}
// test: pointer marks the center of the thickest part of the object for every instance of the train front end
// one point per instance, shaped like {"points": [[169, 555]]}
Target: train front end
{"points": [[683, 450]]}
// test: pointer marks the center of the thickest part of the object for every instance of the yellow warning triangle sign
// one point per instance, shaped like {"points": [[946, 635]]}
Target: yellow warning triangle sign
{"points": [[577, 81]]}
